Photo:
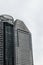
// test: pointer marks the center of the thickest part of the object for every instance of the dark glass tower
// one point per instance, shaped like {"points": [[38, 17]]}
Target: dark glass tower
{"points": [[6, 40]]}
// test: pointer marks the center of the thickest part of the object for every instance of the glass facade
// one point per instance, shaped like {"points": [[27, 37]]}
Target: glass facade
{"points": [[9, 44], [1, 43]]}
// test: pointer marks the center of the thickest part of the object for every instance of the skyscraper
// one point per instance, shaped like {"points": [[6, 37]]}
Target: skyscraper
{"points": [[23, 44], [15, 42], [6, 40]]}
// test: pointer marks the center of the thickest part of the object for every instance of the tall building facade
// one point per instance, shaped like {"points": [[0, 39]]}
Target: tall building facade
{"points": [[6, 40], [15, 42], [23, 44]]}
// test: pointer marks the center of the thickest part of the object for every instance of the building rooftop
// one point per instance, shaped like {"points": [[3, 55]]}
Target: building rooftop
{"points": [[6, 18], [21, 25]]}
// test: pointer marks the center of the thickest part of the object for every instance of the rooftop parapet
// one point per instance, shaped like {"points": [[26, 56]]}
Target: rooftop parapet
{"points": [[6, 18]]}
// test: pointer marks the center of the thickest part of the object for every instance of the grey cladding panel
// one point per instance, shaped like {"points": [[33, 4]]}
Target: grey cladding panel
{"points": [[23, 51]]}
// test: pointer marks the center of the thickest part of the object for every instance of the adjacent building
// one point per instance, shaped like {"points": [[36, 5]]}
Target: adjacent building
{"points": [[6, 40], [23, 44], [15, 42]]}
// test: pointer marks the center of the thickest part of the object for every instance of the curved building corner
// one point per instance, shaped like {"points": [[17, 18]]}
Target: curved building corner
{"points": [[23, 44]]}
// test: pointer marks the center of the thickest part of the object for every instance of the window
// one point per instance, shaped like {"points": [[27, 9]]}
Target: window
{"points": [[9, 43]]}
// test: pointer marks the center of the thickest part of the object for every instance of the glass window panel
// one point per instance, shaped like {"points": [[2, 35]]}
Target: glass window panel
{"points": [[8, 43]]}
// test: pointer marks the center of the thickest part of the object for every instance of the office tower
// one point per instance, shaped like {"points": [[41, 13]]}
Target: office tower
{"points": [[6, 40], [15, 42], [23, 44]]}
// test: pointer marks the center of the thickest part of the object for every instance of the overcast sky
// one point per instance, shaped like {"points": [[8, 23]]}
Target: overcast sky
{"points": [[31, 12]]}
